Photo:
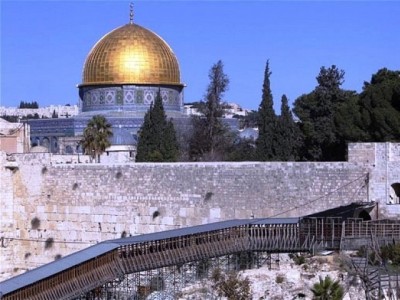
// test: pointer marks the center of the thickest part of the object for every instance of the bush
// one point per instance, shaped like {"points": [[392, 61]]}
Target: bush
{"points": [[156, 214], [44, 170], [279, 279], [327, 289], [230, 285], [49, 243], [298, 259], [391, 252], [35, 223]]}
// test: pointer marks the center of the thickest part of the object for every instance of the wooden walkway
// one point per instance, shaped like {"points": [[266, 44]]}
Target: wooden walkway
{"points": [[85, 270]]}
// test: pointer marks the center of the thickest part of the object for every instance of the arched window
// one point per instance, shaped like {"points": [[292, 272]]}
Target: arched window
{"points": [[46, 143], [69, 150], [394, 195], [54, 144]]}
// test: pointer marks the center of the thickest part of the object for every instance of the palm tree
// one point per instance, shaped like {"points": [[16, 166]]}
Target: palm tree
{"points": [[327, 289], [95, 137]]}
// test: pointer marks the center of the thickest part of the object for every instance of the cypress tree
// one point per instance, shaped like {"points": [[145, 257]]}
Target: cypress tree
{"points": [[157, 137], [267, 123], [210, 137], [288, 133]]}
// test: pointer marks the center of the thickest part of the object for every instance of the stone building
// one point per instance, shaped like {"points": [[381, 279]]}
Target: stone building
{"points": [[14, 137]]}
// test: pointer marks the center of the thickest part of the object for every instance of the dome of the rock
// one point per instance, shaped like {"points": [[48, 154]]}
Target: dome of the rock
{"points": [[125, 71], [131, 54]]}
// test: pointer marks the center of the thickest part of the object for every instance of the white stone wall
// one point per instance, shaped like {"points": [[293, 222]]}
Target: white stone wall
{"points": [[82, 204], [79, 204], [383, 161], [7, 228], [62, 111]]}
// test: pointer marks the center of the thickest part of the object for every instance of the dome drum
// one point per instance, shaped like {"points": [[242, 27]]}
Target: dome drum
{"points": [[129, 97]]}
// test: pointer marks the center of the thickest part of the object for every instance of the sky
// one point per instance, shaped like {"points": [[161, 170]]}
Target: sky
{"points": [[44, 44]]}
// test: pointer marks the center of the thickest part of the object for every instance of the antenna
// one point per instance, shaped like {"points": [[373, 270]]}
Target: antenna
{"points": [[131, 13]]}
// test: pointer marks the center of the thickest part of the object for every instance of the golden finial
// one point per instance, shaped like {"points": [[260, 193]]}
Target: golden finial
{"points": [[131, 13]]}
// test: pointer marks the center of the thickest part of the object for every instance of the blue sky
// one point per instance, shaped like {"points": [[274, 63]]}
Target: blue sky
{"points": [[44, 44]]}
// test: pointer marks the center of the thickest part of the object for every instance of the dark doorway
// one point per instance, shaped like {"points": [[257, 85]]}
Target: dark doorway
{"points": [[364, 215]]}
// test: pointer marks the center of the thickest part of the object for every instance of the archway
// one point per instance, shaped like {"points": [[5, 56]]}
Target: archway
{"points": [[394, 196], [54, 145], [364, 215], [46, 143]]}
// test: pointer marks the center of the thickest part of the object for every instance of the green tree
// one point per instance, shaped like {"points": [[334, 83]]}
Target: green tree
{"points": [[210, 137], [32, 104], [380, 106], [267, 122], [157, 137], [289, 136], [96, 137], [327, 289], [320, 119]]}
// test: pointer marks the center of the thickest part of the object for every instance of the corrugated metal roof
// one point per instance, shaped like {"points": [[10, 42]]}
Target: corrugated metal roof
{"points": [[269, 221], [180, 232], [345, 211], [91, 252]]}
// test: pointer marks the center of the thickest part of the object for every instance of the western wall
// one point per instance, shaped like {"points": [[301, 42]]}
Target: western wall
{"points": [[51, 205]]}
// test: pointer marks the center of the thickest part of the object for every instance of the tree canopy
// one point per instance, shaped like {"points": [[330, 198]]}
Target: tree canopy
{"points": [[288, 134], [210, 137], [32, 104], [330, 117], [157, 136], [267, 122], [318, 113], [96, 136], [380, 106]]}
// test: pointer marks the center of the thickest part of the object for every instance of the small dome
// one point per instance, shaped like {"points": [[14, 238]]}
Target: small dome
{"points": [[122, 137], [131, 54]]}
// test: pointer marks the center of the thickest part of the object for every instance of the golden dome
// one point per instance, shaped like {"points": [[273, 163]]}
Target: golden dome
{"points": [[131, 54]]}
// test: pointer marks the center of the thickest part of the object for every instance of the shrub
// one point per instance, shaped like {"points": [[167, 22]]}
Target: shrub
{"points": [[208, 196], [156, 214], [35, 223], [44, 170], [298, 259], [327, 289], [230, 285], [391, 252], [279, 279], [48, 243]]}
